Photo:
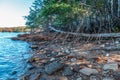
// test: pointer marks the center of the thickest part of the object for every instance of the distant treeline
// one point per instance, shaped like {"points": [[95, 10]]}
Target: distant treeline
{"points": [[14, 29]]}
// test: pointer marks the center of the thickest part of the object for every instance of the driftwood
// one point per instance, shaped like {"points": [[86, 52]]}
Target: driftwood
{"points": [[100, 35], [110, 48]]}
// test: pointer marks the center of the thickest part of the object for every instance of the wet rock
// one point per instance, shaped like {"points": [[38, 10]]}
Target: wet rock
{"points": [[67, 71], [30, 60], [15, 38], [111, 66], [53, 67], [34, 76], [24, 77], [88, 71], [33, 46]]}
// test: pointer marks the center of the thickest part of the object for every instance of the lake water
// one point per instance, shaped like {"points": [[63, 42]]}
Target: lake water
{"points": [[13, 57]]}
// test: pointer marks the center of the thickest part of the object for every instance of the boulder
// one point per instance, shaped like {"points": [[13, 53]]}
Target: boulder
{"points": [[111, 66], [88, 71], [53, 67], [79, 78], [67, 71]]}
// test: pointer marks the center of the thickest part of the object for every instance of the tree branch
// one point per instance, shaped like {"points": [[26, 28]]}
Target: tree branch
{"points": [[87, 35]]}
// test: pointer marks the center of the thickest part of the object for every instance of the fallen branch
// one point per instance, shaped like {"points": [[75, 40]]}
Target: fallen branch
{"points": [[87, 35]]}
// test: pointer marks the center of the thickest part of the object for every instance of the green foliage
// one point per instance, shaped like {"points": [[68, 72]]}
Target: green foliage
{"points": [[58, 8], [96, 4], [116, 29], [63, 14], [33, 14], [70, 15]]}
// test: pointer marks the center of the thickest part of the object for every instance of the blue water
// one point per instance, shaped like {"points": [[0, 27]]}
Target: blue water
{"points": [[13, 57]]}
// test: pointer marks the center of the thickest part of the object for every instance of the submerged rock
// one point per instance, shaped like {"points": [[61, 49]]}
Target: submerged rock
{"points": [[24, 77]]}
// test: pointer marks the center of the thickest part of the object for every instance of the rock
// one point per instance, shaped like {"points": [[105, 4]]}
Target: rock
{"points": [[63, 78], [44, 77], [88, 71], [53, 67], [73, 60], [107, 55], [39, 37], [30, 67], [79, 78], [102, 46], [67, 71], [111, 66], [34, 46], [117, 76], [107, 78], [14, 72], [76, 68], [30, 60], [52, 77], [52, 59], [34, 76], [67, 51], [24, 77], [94, 78], [15, 38]]}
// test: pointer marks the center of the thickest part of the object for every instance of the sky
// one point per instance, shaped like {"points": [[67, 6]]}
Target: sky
{"points": [[12, 12]]}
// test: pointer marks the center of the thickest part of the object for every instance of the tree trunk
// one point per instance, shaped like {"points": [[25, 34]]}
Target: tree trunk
{"points": [[106, 35]]}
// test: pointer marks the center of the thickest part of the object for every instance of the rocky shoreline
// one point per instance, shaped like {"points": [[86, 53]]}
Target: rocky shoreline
{"points": [[71, 60]]}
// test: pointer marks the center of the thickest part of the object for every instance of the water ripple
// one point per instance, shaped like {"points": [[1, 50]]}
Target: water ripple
{"points": [[13, 55]]}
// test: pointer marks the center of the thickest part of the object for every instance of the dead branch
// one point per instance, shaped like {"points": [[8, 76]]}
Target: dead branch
{"points": [[106, 35]]}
